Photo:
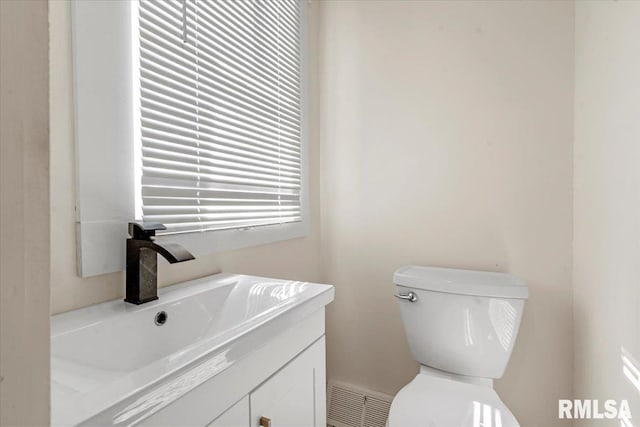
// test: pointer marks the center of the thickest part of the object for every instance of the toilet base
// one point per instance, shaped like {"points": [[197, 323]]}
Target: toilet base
{"points": [[441, 399]]}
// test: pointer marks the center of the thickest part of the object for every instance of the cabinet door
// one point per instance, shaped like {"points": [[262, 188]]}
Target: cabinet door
{"points": [[236, 416], [295, 395]]}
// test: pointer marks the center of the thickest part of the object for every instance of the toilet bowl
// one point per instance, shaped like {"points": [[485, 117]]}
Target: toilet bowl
{"points": [[461, 326]]}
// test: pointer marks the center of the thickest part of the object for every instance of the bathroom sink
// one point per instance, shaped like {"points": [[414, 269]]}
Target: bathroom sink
{"points": [[105, 353]]}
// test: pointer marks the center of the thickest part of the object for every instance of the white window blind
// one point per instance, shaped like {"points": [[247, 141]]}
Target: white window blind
{"points": [[220, 113]]}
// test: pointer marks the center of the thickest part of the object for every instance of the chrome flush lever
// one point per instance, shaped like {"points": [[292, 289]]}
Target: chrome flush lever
{"points": [[409, 296]]}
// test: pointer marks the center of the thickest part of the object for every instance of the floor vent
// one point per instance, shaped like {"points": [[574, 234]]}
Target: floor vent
{"points": [[351, 406]]}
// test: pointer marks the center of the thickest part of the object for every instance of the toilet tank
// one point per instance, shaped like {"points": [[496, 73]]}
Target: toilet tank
{"points": [[461, 321]]}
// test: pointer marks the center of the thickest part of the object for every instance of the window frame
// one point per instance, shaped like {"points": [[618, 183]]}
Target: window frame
{"points": [[101, 223]]}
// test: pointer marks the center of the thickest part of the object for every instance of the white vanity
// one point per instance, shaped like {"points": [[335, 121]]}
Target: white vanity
{"points": [[224, 350]]}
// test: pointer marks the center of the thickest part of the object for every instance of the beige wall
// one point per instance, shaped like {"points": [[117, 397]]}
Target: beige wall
{"points": [[293, 259], [606, 265], [24, 214], [446, 132], [446, 139]]}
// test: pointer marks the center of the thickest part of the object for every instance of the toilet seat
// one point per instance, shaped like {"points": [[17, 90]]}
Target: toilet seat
{"points": [[437, 401]]}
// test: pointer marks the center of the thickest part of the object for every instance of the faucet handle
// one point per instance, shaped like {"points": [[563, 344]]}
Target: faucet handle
{"points": [[144, 230]]}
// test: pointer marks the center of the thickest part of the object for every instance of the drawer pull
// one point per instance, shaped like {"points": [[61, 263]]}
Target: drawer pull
{"points": [[265, 422]]}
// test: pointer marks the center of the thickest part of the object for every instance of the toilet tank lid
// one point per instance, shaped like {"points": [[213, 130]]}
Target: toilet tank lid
{"points": [[463, 282]]}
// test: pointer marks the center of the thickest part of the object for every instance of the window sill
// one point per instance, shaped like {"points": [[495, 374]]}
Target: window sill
{"points": [[212, 242]]}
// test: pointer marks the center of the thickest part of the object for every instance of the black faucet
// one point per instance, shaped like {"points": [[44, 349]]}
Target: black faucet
{"points": [[142, 261]]}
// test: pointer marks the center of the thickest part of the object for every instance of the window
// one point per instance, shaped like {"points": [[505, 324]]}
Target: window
{"points": [[220, 98], [193, 115]]}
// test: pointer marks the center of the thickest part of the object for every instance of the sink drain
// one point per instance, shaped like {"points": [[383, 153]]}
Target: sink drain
{"points": [[161, 318]]}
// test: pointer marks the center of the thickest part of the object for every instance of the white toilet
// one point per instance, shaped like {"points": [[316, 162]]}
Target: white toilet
{"points": [[461, 326]]}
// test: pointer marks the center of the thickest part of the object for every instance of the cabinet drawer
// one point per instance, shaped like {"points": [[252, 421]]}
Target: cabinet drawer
{"points": [[236, 416], [295, 395]]}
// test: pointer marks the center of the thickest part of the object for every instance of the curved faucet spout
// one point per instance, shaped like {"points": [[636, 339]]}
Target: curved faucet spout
{"points": [[171, 251]]}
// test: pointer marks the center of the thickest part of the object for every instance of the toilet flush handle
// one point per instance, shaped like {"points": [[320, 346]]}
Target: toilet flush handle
{"points": [[409, 296]]}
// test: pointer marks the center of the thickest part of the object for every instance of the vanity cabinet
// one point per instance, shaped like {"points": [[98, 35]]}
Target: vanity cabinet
{"points": [[235, 348], [293, 396], [283, 380]]}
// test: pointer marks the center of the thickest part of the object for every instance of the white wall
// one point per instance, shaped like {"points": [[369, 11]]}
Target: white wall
{"points": [[293, 259], [446, 139], [24, 213], [606, 265]]}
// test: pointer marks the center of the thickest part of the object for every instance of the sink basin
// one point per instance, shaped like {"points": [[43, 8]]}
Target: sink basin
{"points": [[105, 353]]}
